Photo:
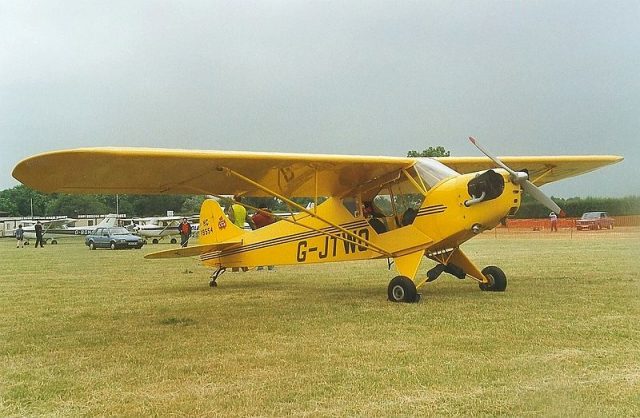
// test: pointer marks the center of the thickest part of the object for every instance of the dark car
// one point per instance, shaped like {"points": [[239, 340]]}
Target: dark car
{"points": [[115, 237], [594, 220]]}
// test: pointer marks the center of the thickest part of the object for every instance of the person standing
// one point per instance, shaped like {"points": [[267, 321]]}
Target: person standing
{"points": [[554, 221], [39, 233], [263, 217], [185, 232], [20, 237], [238, 215]]}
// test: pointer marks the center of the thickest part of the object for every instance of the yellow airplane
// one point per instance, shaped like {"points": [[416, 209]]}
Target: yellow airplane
{"points": [[402, 209]]}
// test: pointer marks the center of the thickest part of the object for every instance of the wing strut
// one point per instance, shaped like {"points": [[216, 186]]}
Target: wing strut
{"points": [[305, 210]]}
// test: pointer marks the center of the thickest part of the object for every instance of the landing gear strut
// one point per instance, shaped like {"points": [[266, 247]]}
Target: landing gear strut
{"points": [[215, 275], [402, 289], [452, 269]]}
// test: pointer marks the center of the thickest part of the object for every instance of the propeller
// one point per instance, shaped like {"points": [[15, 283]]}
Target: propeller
{"points": [[521, 178]]}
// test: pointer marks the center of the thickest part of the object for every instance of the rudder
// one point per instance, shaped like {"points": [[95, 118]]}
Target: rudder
{"points": [[108, 221], [214, 225]]}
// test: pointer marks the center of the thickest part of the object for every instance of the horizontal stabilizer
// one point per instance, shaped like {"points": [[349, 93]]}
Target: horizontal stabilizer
{"points": [[193, 251]]}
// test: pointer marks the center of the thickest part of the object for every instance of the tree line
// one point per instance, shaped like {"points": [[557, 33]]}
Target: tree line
{"points": [[23, 201], [576, 206], [20, 200]]}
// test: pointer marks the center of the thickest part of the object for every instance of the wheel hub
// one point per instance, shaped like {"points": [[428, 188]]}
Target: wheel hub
{"points": [[398, 292]]}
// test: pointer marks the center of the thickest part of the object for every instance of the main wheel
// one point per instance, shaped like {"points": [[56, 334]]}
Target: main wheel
{"points": [[497, 279], [402, 289]]}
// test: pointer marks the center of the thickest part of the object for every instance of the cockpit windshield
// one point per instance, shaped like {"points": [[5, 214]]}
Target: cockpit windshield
{"points": [[393, 201], [432, 171]]}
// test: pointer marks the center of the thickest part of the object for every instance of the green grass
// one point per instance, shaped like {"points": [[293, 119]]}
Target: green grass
{"points": [[109, 333]]}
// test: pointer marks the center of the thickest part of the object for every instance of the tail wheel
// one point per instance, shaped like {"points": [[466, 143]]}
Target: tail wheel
{"points": [[497, 279], [402, 289]]}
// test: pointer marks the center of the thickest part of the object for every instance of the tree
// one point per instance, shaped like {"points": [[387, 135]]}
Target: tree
{"points": [[8, 207], [438, 151], [23, 199], [74, 205], [192, 204]]}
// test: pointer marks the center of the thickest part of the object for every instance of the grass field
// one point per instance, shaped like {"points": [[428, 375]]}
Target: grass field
{"points": [[109, 333]]}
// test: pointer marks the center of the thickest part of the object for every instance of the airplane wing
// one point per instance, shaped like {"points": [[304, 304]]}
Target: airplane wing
{"points": [[163, 171], [542, 170], [56, 223], [194, 250]]}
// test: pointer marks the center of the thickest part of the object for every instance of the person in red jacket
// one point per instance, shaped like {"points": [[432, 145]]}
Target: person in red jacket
{"points": [[185, 232], [262, 217]]}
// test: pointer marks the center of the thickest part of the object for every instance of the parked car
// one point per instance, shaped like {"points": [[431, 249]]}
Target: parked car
{"points": [[114, 237], [594, 220]]}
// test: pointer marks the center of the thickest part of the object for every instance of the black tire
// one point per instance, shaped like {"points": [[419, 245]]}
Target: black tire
{"points": [[174, 241], [54, 242], [112, 245], [92, 246], [402, 289], [154, 241], [497, 279]]}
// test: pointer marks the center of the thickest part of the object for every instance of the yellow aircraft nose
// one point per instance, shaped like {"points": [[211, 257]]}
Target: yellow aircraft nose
{"points": [[491, 198]]}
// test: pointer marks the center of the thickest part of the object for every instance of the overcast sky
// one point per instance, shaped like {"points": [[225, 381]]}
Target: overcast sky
{"points": [[348, 77]]}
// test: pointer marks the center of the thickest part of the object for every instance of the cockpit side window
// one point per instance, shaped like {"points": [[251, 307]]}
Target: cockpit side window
{"points": [[396, 203], [351, 204]]}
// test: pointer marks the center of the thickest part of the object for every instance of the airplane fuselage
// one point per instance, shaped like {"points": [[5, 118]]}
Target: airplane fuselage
{"points": [[444, 220]]}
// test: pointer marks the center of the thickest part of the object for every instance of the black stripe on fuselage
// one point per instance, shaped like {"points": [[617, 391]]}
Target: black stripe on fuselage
{"points": [[431, 210], [284, 240]]}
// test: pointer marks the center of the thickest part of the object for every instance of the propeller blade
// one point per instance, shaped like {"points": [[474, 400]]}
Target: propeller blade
{"points": [[539, 195], [491, 157], [522, 179]]}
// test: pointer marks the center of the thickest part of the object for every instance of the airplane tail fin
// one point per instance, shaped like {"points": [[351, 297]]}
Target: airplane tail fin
{"points": [[214, 225], [109, 221]]}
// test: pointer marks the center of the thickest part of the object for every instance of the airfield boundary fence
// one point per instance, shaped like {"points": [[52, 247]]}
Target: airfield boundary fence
{"points": [[624, 226]]}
